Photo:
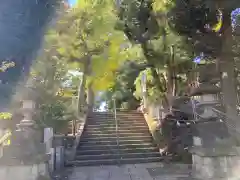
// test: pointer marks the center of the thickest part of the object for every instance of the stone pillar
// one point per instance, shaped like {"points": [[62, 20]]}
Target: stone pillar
{"points": [[25, 158], [48, 140], [58, 145], [144, 90]]}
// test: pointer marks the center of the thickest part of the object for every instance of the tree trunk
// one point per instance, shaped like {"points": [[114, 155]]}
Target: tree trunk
{"points": [[81, 101], [226, 65], [171, 81], [90, 97], [169, 86], [228, 87], [229, 94], [81, 93], [191, 78], [156, 76]]}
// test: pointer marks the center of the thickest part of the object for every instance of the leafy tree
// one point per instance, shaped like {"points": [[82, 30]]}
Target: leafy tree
{"points": [[123, 88], [146, 23], [54, 113], [205, 23], [48, 75], [93, 44], [207, 26]]}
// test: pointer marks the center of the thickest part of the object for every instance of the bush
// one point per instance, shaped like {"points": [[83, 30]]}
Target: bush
{"points": [[54, 114]]}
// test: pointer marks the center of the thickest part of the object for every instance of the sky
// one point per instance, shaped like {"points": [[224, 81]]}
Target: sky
{"points": [[102, 107], [72, 2]]}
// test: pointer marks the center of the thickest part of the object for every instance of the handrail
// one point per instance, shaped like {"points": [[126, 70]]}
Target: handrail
{"points": [[116, 124]]}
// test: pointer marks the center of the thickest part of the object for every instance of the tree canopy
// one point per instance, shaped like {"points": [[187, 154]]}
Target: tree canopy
{"points": [[91, 38]]}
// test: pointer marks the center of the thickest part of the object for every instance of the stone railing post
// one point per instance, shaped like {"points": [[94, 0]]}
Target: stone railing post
{"points": [[58, 144], [48, 140]]}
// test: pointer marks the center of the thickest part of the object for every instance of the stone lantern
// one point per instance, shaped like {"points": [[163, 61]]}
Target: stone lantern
{"points": [[26, 150], [213, 154]]}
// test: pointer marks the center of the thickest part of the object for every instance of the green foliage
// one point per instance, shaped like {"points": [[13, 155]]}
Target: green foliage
{"points": [[54, 114], [48, 76], [5, 115], [140, 25], [153, 93], [6, 65], [202, 23], [147, 24], [123, 88], [91, 40]]}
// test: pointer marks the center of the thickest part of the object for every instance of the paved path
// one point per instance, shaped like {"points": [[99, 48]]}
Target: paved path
{"points": [[153, 171]]}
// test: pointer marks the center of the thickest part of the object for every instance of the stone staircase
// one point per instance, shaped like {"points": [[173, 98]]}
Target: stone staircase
{"points": [[104, 142]]}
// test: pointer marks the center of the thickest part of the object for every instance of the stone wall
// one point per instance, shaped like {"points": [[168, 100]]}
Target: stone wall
{"points": [[70, 153], [216, 167]]}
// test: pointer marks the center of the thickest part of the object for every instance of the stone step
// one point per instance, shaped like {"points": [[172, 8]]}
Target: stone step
{"points": [[101, 123], [106, 126], [114, 142], [120, 134], [129, 113], [120, 118], [114, 138], [117, 156], [101, 114], [116, 151], [83, 147], [113, 114], [118, 111], [120, 130], [118, 122], [114, 161], [110, 128]]}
